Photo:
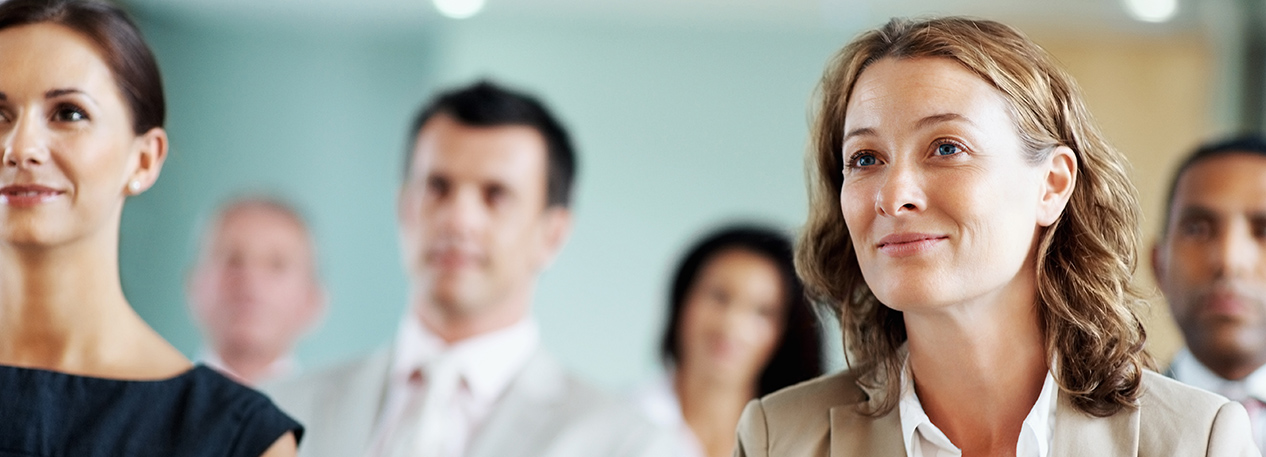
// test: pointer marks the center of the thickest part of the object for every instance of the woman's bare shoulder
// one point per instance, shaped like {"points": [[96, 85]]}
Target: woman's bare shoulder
{"points": [[283, 447]]}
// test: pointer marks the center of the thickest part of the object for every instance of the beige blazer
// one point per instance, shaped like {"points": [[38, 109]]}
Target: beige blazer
{"points": [[544, 413], [817, 418]]}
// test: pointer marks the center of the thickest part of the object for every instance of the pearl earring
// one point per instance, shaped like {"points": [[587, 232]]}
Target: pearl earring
{"points": [[134, 187]]}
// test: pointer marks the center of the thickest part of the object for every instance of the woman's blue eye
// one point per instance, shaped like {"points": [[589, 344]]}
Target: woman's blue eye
{"points": [[865, 160], [946, 149]]}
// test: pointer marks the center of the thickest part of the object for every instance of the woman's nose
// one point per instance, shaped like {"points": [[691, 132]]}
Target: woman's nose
{"points": [[25, 145], [901, 192]]}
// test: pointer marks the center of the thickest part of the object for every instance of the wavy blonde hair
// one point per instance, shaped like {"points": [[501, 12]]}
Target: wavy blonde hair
{"points": [[1085, 259]]}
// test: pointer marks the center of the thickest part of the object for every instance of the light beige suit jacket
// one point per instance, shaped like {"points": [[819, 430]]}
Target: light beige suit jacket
{"points": [[544, 413], [818, 418]]}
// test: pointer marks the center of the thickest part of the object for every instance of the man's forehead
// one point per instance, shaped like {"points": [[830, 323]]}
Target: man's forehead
{"points": [[1232, 180], [260, 214], [447, 147], [258, 227]]}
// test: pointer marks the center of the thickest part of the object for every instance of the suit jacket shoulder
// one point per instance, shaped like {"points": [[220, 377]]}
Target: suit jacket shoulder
{"points": [[818, 417], [807, 406], [1177, 419], [338, 405], [547, 412]]}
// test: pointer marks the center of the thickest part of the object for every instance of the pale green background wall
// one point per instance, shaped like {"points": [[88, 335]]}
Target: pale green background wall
{"points": [[316, 115], [679, 128]]}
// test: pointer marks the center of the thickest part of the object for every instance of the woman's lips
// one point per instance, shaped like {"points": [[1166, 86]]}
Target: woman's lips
{"points": [[28, 195], [908, 244]]}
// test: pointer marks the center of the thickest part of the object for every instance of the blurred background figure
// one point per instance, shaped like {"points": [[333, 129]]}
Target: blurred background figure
{"points": [[254, 290], [484, 208], [1211, 264], [739, 327]]}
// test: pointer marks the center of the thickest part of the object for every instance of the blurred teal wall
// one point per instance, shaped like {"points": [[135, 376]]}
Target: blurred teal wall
{"points": [[314, 114], [679, 128]]}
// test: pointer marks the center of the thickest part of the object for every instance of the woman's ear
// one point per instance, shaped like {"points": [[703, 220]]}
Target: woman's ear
{"points": [[1057, 185], [151, 149]]}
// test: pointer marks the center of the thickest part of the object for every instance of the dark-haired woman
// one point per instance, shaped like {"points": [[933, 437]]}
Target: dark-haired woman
{"points": [[739, 327], [81, 115]]}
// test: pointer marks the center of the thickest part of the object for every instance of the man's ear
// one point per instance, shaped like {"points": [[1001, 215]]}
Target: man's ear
{"points": [[557, 225], [316, 308], [1058, 185], [193, 285], [401, 196], [1158, 264], [151, 149]]}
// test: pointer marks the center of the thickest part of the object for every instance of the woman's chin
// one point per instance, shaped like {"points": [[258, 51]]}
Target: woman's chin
{"points": [[911, 300]]}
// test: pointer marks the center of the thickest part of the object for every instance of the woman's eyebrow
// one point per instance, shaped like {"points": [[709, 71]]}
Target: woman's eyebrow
{"points": [[922, 124], [867, 131], [941, 118], [54, 93]]}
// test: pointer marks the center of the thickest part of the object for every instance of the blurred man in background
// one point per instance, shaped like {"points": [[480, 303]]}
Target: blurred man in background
{"points": [[1211, 264], [255, 290], [484, 209]]}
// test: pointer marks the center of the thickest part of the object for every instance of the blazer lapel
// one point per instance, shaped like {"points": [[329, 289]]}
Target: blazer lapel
{"points": [[1078, 434], [524, 412], [853, 434], [354, 406]]}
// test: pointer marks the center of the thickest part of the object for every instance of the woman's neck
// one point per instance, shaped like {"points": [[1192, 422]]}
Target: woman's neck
{"points": [[711, 409], [62, 308], [978, 370]]}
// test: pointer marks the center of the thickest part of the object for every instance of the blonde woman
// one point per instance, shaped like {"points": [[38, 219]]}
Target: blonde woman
{"points": [[977, 236]]}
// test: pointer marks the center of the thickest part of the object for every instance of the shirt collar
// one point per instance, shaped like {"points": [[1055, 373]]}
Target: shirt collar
{"points": [[659, 401], [1037, 430], [1187, 369], [487, 363], [914, 420]]}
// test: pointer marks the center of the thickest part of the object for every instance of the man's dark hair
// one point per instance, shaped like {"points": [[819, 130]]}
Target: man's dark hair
{"points": [[1252, 144], [798, 356], [486, 104]]}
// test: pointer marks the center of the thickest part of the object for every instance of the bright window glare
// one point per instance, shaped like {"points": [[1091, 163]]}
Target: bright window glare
{"points": [[459, 9], [1152, 10]]}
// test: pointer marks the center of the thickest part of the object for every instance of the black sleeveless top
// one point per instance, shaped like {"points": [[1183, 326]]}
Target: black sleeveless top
{"points": [[199, 413]]}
